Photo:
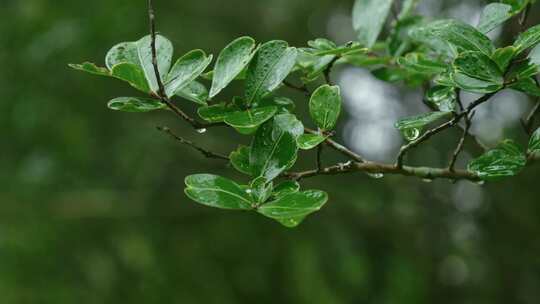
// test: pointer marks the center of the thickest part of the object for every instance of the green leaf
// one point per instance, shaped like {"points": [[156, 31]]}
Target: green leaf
{"points": [[272, 63], [135, 104], [420, 63], [494, 14], [90, 68], [527, 39], [216, 113], [195, 92], [480, 66], [503, 56], [284, 104], [309, 141], [186, 70], [412, 127], [231, 62], [528, 86], [261, 189], [164, 50], [505, 160], [522, 70], [517, 5], [474, 85], [247, 122], [325, 106], [274, 148], [218, 192], [124, 52], [399, 41], [369, 17], [240, 160], [132, 74], [452, 37], [285, 188], [534, 143], [534, 55], [312, 66], [442, 98], [292, 208]]}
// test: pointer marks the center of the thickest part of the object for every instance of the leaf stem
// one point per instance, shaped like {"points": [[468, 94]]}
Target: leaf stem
{"points": [[205, 152]]}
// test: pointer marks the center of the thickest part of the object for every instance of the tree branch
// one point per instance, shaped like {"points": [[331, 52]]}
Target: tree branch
{"points": [[461, 144], [339, 147], [161, 94], [379, 168], [428, 134], [205, 152]]}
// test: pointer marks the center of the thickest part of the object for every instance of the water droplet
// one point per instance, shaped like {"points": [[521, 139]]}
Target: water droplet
{"points": [[411, 134], [248, 191], [480, 183], [375, 175], [201, 131], [427, 180]]}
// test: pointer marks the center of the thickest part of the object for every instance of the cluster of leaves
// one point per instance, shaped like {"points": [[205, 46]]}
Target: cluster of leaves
{"points": [[450, 54]]}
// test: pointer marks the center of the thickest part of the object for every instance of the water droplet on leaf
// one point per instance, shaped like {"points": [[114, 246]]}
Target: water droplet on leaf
{"points": [[427, 180], [201, 131]]}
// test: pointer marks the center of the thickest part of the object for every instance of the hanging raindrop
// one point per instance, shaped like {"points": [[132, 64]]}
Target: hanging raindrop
{"points": [[201, 131], [411, 134], [375, 175]]}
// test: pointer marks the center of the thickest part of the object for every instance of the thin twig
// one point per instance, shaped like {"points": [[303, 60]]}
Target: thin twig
{"points": [[328, 70], [524, 16], [205, 152], [428, 134], [379, 168], [461, 144], [339, 147], [161, 94], [303, 88], [319, 157]]}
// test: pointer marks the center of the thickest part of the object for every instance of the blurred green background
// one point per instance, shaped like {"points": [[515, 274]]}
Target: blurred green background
{"points": [[92, 208]]}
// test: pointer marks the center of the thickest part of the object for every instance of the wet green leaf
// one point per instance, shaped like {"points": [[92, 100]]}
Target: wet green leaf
{"points": [[325, 106], [505, 160], [420, 63], [231, 62], [247, 122], [240, 160], [452, 37], [442, 98], [285, 188], [195, 92], [261, 189], [527, 39], [186, 70], [216, 113], [503, 56], [534, 142], [218, 192], [534, 55], [527, 86], [369, 17], [284, 104], [309, 141], [494, 14], [292, 208], [132, 74], [274, 148], [480, 66], [90, 68], [272, 63], [135, 104], [474, 85]]}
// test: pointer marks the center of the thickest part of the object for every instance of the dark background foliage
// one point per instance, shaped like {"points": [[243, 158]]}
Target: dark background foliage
{"points": [[92, 205]]}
